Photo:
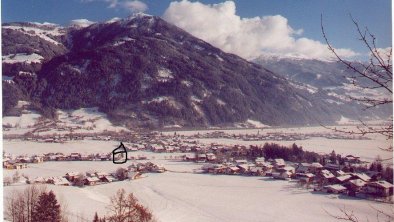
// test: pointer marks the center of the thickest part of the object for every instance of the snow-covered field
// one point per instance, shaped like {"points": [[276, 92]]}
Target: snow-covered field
{"points": [[188, 197], [366, 149], [183, 197]]}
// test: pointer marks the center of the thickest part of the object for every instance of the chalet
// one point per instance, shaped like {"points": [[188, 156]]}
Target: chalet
{"points": [[142, 157], [61, 181], [362, 176], [208, 167], [190, 157], [240, 162], [332, 167], [132, 168], [23, 159], [39, 180], [283, 173], [85, 157], [325, 177], [256, 171], [38, 159], [141, 167], [259, 161], [315, 167], [7, 162], [134, 175], [201, 157], [374, 175], [267, 168], [339, 173], [170, 149], [352, 159], [91, 173], [355, 186], [305, 177], [104, 157], [71, 176], [158, 148], [108, 179], [379, 188], [343, 179], [243, 168], [91, 181], [132, 149], [49, 140], [101, 174], [335, 188], [211, 157], [279, 163], [219, 169], [18, 166], [157, 169], [74, 156], [232, 170], [303, 168], [57, 157]]}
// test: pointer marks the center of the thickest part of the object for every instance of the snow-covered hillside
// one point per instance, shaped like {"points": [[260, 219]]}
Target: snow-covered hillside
{"points": [[84, 120]]}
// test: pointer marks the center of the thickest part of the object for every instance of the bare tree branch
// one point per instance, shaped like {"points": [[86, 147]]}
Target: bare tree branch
{"points": [[378, 72]]}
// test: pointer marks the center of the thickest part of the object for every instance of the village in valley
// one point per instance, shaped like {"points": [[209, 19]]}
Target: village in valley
{"points": [[333, 173]]}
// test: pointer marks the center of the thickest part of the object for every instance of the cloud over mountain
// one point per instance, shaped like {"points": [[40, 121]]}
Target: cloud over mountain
{"points": [[219, 25], [129, 5]]}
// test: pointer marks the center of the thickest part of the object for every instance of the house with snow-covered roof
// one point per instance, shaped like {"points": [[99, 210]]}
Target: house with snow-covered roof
{"points": [[379, 188]]}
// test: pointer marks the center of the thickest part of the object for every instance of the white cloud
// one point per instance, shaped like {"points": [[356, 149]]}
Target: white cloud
{"points": [[134, 6], [129, 5], [219, 25], [81, 22], [383, 54]]}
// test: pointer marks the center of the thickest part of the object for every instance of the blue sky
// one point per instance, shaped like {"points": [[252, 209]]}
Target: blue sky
{"points": [[300, 14]]}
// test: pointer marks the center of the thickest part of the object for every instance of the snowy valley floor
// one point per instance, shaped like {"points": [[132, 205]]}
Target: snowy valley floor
{"points": [[179, 197]]}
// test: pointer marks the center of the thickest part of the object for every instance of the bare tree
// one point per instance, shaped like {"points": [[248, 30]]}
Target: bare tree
{"points": [[349, 215], [20, 204], [125, 208], [374, 74]]}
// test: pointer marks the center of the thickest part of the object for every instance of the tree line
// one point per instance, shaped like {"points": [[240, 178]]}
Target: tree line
{"points": [[36, 204]]}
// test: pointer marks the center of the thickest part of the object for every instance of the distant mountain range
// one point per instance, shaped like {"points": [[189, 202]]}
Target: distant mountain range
{"points": [[145, 72]]}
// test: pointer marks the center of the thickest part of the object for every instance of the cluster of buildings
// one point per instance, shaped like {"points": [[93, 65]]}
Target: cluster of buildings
{"points": [[328, 178], [19, 162], [278, 136], [92, 178]]}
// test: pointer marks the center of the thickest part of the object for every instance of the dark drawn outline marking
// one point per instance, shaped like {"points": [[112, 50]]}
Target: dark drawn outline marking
{"points": [[119, 150]]}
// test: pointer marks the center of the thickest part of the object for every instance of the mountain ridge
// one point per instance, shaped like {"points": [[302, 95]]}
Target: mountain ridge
{"points": [[145, 72]]}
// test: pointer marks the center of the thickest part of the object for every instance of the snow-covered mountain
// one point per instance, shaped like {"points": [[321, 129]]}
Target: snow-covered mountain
{"points": [[331, 79], [143, 71]]}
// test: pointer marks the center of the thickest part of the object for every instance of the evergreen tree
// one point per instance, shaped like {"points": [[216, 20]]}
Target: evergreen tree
{"points": [[96, 218], [47, 208]]}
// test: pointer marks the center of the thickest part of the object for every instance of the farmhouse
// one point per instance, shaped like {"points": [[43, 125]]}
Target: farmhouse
{"points": [[134, 175], [232, 170], [71, 176], [279, 163], [58, 181], [355, 185], [201, 157], [283, 173], [379, 188], [343, 179], [334, 188], [91, 181], [211, 157], [305, 177]]}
